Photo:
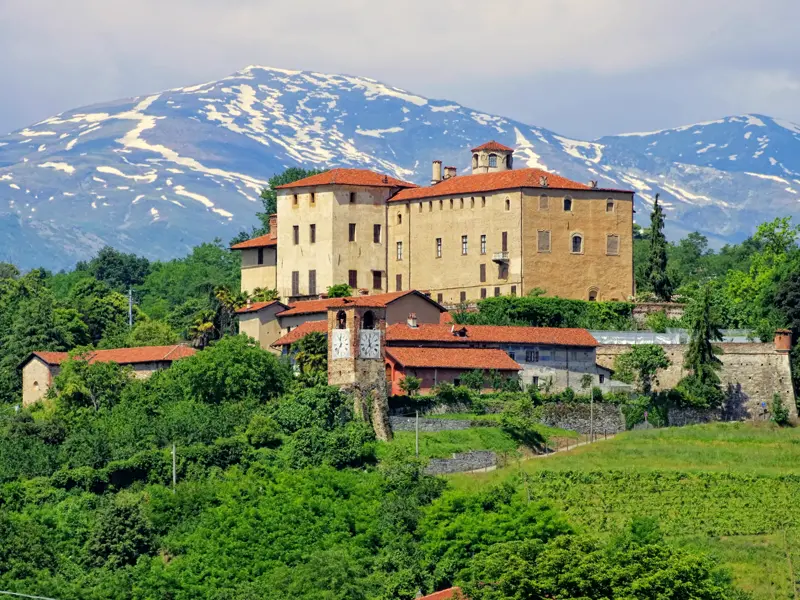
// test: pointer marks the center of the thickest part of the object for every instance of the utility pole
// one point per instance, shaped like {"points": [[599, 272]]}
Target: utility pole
{"points": [[130, 308], [416, 432], [174, 471]]}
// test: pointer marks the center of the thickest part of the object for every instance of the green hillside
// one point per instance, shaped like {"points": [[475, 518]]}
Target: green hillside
{"points": [[728, 489]]}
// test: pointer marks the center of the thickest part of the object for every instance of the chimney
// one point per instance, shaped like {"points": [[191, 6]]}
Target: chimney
{"points": [[273, 225], [412, 320], [437, 172], [449, 172], [783, 341]]}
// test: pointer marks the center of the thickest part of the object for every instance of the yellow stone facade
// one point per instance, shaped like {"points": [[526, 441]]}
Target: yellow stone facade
{"points": [[255, 275]]}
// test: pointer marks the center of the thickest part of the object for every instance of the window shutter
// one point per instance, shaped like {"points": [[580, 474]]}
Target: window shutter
{"points": [[399, 282], [612, 245], [544, 241], [295, 283], [544, 203], [352, 279], [312, 283], [483, 273]]}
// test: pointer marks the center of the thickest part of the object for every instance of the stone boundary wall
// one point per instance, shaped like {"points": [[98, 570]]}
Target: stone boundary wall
{"points": [[673, 310], [428, 425], [751, 373], [679, 417], [608, 418], [461, 462]]}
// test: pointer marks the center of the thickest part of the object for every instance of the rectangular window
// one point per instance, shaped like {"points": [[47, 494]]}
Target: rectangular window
{"points": [[441, 204], [294, 199], [505, 241], [261, 256], [512, 355], [295, 283], [312, 234], [430, 206], [438, 247], [456, 382], [544, 241], [544, 203], [352, 197], [352, 279], [463, 297], [296, 234], [513, 290], [439, 298], [313, 197], [602, 378], [451, 204], [483, 273], [573, 355], [398, 282], [496, 292], [312, 283], [535, 381], [420, 207], [462, 203], [483, 244], [502, 271], [612, 245], [352, 232], [463, 244], [377, 280], [483, 293], [483, 201], [532, 356], [376, 233], [609, 205], [399, 250]]}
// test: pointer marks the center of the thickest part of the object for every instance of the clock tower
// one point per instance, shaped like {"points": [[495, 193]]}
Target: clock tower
{"points": [[356, 360]]}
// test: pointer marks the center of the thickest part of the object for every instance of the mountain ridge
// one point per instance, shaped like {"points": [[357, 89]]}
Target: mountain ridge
{"points": [[159, 173]]}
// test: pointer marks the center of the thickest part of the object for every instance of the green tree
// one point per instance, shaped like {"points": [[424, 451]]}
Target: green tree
{"points": [[122, 533], [410, 385], [640, 365], [702, 386], [473, 379], [340, 290], [657, 259], [119, 271], [311, 357], [8, 271], [84, 384]]}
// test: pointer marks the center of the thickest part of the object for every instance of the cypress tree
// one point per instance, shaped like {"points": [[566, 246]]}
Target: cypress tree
{"points": [[657, 259], [701, 355]]}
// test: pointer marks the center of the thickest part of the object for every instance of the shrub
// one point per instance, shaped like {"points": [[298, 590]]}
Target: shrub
{"points": [[263, 431], [779, 411]]}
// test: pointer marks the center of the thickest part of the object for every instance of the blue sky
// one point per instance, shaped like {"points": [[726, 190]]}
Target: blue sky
{"points": [[583, 68]]}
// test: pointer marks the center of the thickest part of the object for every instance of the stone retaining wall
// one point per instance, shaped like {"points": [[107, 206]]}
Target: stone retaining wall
{"points": [[428, 425], [461, 462], [608, 418]]}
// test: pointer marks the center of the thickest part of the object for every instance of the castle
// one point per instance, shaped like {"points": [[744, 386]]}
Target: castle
{"points": [[497, 231]]}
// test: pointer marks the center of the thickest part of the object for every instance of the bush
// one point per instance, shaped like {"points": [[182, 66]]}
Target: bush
{"points": [[263, 431], [693, 392], [779, 411]]}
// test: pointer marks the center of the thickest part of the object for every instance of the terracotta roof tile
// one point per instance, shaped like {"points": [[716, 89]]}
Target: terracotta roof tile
{"points": [[493, 146], [363, 177], [257, 306], [552, 336], [448, 594], [262, 241], [492, 182], [453, 358], [306, 307], [301, 331], [124, 356]]}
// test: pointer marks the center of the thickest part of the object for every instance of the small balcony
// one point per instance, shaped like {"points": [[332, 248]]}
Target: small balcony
{"points": [[500, 257]]}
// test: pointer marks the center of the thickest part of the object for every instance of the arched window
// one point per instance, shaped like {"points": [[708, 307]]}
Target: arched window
{"points": [[567, 204], [508, 204], [609, 205], [399, 219], [368, 322], [341, 320], [493, 160], [593, 295], [577, 243], [509, 161], [544, 202], [36, 386], [474, 161]]}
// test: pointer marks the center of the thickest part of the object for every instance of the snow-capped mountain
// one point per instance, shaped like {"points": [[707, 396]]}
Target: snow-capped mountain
{"points": [[161, 173]]}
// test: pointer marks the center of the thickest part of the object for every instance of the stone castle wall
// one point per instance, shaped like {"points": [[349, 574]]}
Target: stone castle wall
{"points": [[752, 373]]}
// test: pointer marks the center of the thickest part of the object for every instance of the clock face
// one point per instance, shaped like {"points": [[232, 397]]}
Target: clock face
{"points": [[340, 344], [370, 344]]}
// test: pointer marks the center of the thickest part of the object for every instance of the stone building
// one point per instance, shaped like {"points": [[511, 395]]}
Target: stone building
{"points": [[40, 368], [496, 231]]}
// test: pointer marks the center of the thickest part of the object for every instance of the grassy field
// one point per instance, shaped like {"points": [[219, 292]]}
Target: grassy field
{"points": [[730, 489]]}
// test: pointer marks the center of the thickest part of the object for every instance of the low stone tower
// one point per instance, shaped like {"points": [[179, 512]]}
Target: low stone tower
{"points": [[356, 359], [491, 157]]}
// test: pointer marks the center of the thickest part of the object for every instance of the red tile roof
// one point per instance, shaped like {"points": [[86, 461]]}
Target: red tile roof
{"points": [[257, 306], [552, 336], [493, 146], [447, 594], [307, 307], [123, 356], [363, 177], [453, 358], [262, 241], [492, 182], [301, 331]]}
